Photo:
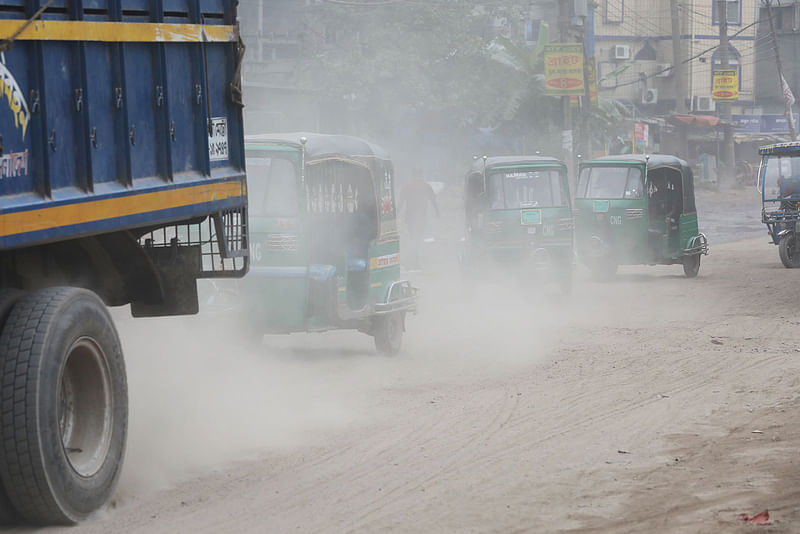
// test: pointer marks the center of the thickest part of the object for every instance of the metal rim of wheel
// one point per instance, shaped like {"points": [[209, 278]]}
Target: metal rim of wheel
{"points": [[86, 408]]}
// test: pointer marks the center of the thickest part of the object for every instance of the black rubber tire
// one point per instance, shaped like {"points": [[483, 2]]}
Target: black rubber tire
{"points": [[8, 298], [389, 333], [63, 406], [691, 265], [788, 252]]}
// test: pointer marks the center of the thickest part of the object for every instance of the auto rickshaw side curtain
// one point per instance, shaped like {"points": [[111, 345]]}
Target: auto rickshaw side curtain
{"points": [[688, 191], [342, 209]]}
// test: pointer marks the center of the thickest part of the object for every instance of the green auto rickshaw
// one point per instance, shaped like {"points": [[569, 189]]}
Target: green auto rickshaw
{"points": [[518, 216], [324, 245], [634, 210]]}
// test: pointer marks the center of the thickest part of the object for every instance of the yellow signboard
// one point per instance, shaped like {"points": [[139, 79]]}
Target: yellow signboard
{"points": [[563, 69], [725, 85]]}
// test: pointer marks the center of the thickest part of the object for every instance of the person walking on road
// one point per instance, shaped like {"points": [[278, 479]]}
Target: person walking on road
{"points": [[416, 197]]}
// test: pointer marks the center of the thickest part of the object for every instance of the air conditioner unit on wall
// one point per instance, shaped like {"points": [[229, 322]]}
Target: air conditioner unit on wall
{"points": [[663, 70], [650, 96], [703, 103], [621, 52]]}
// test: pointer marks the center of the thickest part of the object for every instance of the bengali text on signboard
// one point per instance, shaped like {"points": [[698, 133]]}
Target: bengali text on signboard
{"points": [[725, 85], [563, 69]]}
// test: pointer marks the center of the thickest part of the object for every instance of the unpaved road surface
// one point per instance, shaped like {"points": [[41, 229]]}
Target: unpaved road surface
{"points": [[652, 403]]}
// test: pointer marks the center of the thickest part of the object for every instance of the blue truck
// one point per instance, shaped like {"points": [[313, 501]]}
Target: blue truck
{"points": [[122, 182]]}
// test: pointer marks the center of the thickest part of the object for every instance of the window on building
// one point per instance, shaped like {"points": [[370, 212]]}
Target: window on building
{"points": [[615, 11], [734, 11], [532, 30], [784, 18]]}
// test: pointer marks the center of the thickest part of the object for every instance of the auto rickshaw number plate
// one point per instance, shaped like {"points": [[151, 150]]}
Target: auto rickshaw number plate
{"points": [[531, 217], [601, 206]]}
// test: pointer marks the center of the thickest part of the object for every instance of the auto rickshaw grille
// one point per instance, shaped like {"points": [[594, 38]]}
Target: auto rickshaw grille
{"points": [[634, 213]]}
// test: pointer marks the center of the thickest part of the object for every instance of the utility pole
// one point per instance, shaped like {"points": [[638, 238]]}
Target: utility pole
{"points": [[787, 107], [566, 112], [726, 151], [678, 70], [588, 57], [677, 58]]}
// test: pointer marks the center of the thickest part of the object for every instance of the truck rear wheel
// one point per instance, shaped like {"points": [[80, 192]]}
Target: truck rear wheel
{"points": [[8, 297], [63, 406]]}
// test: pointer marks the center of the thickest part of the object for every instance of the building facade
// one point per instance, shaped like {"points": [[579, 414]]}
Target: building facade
{"points": [[633, 43]]}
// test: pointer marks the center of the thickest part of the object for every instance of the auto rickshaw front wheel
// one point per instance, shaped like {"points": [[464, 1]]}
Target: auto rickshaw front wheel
{"points": [[388, 333], [787, 249], [691, 265]]}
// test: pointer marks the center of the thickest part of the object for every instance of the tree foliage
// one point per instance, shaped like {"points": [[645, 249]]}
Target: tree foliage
{"points": [[414, 61]]}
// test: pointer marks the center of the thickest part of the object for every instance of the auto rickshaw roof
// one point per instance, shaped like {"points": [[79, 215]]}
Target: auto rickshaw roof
{"points": [[781, 149], [502, 161], [652, 161], [320, 146]]}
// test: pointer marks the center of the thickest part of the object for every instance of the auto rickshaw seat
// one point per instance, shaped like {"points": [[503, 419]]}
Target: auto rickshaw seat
{"points": [[321, 273], [356, 264]]}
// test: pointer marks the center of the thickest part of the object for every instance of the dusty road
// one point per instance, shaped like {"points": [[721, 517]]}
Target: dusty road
{"points": [[649, 404]]}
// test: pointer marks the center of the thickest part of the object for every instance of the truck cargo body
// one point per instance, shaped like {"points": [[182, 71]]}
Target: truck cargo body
{"points": [[122, 181]]}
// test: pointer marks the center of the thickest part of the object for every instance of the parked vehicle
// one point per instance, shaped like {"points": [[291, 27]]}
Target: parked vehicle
{"points": [[325, 246], [779, 185], [122, 181], [637, 209], [518, 217]]}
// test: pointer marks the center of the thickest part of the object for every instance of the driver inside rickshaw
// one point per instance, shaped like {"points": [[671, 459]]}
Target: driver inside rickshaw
{"points": [[788, 182], [665, 193], [525, 189]]}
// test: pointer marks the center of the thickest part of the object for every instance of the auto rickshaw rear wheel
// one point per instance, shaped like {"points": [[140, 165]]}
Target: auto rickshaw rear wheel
{"points": [[787, 249], [388, 333], [691, 265]]}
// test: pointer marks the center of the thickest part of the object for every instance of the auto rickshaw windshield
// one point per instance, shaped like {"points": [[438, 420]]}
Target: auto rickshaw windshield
{"points": [[521, 188], [606, 182], [272, 186], [781, 176]]}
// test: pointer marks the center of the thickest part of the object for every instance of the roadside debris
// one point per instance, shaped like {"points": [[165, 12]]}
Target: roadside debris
{"points": [[761, 518]]}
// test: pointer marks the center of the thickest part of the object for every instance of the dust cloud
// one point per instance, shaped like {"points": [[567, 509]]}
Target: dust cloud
{"points": [[201, 400]]}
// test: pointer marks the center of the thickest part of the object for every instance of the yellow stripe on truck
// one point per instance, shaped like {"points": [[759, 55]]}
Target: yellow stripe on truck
{"points": [[117, 32], [99, 210]]}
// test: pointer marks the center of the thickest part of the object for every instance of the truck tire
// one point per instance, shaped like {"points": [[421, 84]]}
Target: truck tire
{"points": [[63, 406], [8, 297], [389, 333]]}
